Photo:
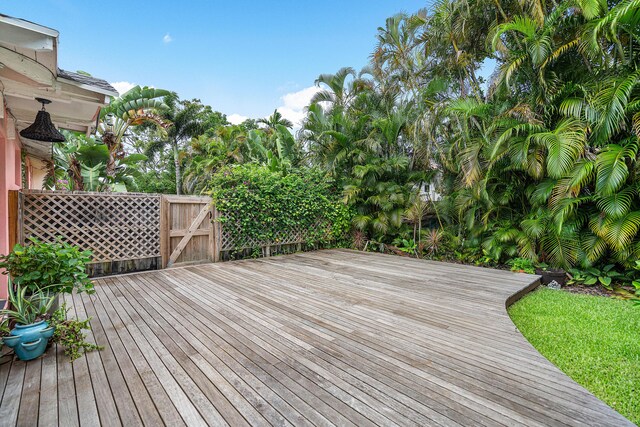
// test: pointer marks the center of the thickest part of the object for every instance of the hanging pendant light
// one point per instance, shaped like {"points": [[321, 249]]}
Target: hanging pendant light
{"points": [[42, 128]]}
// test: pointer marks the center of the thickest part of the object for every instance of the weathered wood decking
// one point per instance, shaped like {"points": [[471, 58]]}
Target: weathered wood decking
{"points": [[322, 338]]}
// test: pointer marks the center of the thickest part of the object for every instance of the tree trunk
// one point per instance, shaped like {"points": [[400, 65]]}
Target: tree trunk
{"points": [[75, 174], [176, 161], [110, 141]]}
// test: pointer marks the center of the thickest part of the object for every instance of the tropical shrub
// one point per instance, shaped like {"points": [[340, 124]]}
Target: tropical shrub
{"points": [[406, 245], [522, 265], [81, 164], [539, 164], [604, 276], [55, 267], [256, 203]]}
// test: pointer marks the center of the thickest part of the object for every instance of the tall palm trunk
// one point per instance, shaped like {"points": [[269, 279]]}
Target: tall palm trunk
{"points": [[176, 162], [75, 174], [112, 145]]}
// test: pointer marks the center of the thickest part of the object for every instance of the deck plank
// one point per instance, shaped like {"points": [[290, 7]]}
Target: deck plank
{"points": [[236, 367], [48, 409], [28, 414], [316, 364], [334, 337], [146, 389], [257, 389], [334, 348], [86, 399], [123, 399], [104, 396], [187, 398], [12, 397], [449, 358]]}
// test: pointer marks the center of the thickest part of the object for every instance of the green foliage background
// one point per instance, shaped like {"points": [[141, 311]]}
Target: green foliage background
{"points": [[264, 203], [521, 120]]}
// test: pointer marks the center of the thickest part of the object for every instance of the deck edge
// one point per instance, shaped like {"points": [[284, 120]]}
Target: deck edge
{"points": [[513, 298]]}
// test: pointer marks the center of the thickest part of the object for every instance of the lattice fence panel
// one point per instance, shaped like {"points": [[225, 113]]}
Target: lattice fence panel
{"points": [[232, 236], [115, 227]]}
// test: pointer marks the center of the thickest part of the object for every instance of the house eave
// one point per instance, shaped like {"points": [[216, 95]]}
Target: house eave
{"points": [[88, 87], [28, 25]]}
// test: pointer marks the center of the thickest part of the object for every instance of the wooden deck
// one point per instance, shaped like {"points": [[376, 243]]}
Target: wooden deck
{"points": [[332, 337]]}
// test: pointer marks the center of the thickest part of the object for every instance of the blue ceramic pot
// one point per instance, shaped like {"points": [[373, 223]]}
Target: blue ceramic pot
{"points": [[29, 341]]}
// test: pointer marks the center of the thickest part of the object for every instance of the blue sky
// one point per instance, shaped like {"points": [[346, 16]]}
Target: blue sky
{"points": [[241, 57]]}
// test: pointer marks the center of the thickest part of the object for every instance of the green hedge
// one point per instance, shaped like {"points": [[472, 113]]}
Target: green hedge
{"points": [[265, 203]]}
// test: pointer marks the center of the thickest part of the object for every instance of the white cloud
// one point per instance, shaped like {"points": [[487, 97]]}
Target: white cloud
{"points": [[167, 38], [122, 87], [294, 104], [292, 107], [300, 99], [236, 119]]}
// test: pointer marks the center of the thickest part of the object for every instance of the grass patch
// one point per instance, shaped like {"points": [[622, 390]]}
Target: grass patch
{"points": [[594, 340]]}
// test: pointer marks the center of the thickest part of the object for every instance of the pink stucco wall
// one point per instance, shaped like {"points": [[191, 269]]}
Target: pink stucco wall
{"points": [[10, 179]]}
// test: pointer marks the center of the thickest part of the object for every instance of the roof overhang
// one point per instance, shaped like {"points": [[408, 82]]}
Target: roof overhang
{"points": [[89, 87], [28, 69], [31, 29]]}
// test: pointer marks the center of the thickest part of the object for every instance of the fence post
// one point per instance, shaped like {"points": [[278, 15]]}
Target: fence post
{"points": [[216, 230], [164, 230], [15, 230]]}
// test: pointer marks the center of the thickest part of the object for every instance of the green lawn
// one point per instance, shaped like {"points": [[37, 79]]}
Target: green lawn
{"points": [[594, 340]]}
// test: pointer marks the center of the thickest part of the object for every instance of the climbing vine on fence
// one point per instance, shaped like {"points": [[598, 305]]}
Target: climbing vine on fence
{"points": [[259, 205]]}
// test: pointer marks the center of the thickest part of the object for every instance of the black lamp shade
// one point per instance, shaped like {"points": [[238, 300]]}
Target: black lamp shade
{"points": [[42, 129]]}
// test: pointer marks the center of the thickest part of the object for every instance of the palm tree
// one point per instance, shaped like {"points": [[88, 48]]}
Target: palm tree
{"points": [[337, 92], [185, 120], [80, 165], [136, 106], [275, 120]]}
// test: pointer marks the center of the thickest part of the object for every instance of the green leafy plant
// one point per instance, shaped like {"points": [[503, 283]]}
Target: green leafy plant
{"points": [[406, 245], [636, 299], [4, 327], [69, 334], [542, 266], [5, 330], [522, 265], [57, 267], [259, 205], [636, 286], [485, 261], [592, 276], [25, 308]]}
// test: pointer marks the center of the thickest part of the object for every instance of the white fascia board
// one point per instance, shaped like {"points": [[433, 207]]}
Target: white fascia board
{"points": [[88, 87], [20, 23], [25, 39]]}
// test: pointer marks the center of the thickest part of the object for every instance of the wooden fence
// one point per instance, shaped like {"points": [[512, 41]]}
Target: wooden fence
{"points": [[135, 231], [121, 229], [233, 243]]}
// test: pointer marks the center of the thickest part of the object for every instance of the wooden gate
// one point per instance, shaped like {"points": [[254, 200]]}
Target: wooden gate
{"points": [[187, 232]]}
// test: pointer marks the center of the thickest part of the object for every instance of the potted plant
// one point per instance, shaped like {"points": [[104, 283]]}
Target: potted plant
{"points": [[55, 268], [551, 274], [31, 332]]}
